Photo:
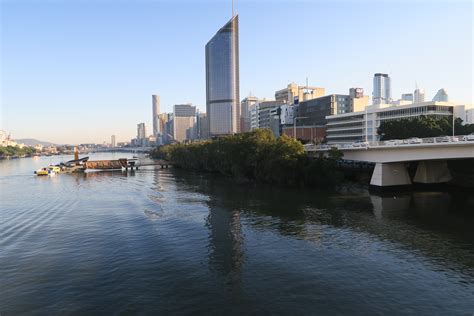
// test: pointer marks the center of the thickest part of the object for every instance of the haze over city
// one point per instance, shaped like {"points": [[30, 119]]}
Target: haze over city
{"points": [[80, 72]]}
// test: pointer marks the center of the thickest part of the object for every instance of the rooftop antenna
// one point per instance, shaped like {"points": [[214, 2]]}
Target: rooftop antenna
{"points": [[232, 8]]}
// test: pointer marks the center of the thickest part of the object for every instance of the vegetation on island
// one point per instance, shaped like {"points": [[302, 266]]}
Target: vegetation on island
{"points": [[422, 127], [256, 156], [16, 151]]}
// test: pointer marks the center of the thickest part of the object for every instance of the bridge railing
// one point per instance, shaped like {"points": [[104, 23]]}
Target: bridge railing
{"points": [[415, 141]]}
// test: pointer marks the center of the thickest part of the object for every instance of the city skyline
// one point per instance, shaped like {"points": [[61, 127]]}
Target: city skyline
{"points": [[103, 99]]}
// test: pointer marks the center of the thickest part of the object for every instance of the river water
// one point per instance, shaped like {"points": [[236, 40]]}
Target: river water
{"points": [[168, 241]]}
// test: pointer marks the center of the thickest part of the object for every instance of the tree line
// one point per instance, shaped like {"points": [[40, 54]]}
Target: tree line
{"points": [[422, 127], [256, 156], [15, 151]]}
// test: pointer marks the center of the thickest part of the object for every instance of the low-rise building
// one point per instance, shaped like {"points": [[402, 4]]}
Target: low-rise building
{"points": [[363, 125], [315, 111], [306, 134]]}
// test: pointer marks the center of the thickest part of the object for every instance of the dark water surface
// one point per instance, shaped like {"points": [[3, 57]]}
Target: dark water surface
{"points": [[167, 241]]}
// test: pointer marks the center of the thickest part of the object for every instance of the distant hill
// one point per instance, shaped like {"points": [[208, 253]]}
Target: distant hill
{"points": [[33, 142]]}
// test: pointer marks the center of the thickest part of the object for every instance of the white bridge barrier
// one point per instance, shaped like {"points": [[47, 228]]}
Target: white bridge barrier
{"points": [[391, 157]]}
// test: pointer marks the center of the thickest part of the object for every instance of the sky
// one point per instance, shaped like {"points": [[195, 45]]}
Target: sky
{"points": [[81, 71]]}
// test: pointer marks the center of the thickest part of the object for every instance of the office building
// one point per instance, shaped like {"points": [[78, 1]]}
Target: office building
{"points": [[315, 111], [419, 96], [245, 113], [202, 126], [222, 80], [260, 113], [112, 141], [169, 129], [155, 100], [465, 112], [407, 97], [358, 101], [141, 131], [293, 94], [382, 91], [441, 96], [184, 116], [362, 125]]}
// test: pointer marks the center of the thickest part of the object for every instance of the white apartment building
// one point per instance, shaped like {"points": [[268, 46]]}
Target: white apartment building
{"points": [[363, 125]]}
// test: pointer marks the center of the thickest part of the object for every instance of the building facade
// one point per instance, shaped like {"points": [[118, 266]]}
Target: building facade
{"points": [[294, 92], [363, 125], [382, 89], [184, 116], [112, 141], [419, 96], [202, 126], [260, 114], [441, 96], [407, 97], [141, 131], [155, 101], [315, 111], [222, 80], [245, 112]]}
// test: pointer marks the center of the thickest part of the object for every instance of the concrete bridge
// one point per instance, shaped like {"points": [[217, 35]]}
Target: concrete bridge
{"points": [[391, 159], [125, 149]]}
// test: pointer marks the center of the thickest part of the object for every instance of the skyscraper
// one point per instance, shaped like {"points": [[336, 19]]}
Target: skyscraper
{"points": [[419, 96], [222, 80], [441, 96], [141, 131], [184, 122], [155, 99], [112, 141], [382, 91]]}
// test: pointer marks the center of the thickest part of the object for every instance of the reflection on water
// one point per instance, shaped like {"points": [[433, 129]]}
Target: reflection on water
{"points": [[168, 241]]}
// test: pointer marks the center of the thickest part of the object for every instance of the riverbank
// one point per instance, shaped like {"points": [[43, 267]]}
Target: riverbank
{"points": [[256, 156], [11, 152]]}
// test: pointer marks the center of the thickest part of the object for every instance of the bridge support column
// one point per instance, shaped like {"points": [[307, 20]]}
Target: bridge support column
{"points": [[432, 172], [390, 174]]}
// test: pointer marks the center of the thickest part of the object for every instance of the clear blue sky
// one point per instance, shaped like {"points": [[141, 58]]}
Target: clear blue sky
{"points": [[80, 71]]}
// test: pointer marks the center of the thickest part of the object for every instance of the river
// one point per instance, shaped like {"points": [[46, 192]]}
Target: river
{"points": [[157, 241]]}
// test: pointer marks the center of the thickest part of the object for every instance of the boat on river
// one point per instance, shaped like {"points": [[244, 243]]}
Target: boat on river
{"points": [[44, 172]]}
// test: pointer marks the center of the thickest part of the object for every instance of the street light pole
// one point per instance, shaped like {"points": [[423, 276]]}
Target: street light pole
{"points": [[453, 121]]}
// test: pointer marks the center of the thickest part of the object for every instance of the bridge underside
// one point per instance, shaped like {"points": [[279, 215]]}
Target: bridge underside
{"points": [[395, 174]]}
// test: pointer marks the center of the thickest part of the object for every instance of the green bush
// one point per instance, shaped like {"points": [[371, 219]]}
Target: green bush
{"points": [[256, 156]]}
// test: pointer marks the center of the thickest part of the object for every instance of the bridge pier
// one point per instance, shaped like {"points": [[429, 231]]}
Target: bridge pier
{"points": [[432, 172], [391, 174]]}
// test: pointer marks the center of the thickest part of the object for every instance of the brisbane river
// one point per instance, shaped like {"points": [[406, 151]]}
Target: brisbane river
{"points": [[166, 241]]}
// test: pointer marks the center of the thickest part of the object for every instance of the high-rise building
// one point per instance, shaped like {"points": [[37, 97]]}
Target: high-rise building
{"points": [[407, 97], [245, 112], [141, 131], [202, 126], [441, 96], [112, 141], [222, 80], [419, 96], [184, 122], [382, 91], [155, 99]]}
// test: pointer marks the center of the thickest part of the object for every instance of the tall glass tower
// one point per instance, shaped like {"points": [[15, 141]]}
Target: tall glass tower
{"points": [[382, 91], [222, 80]]}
